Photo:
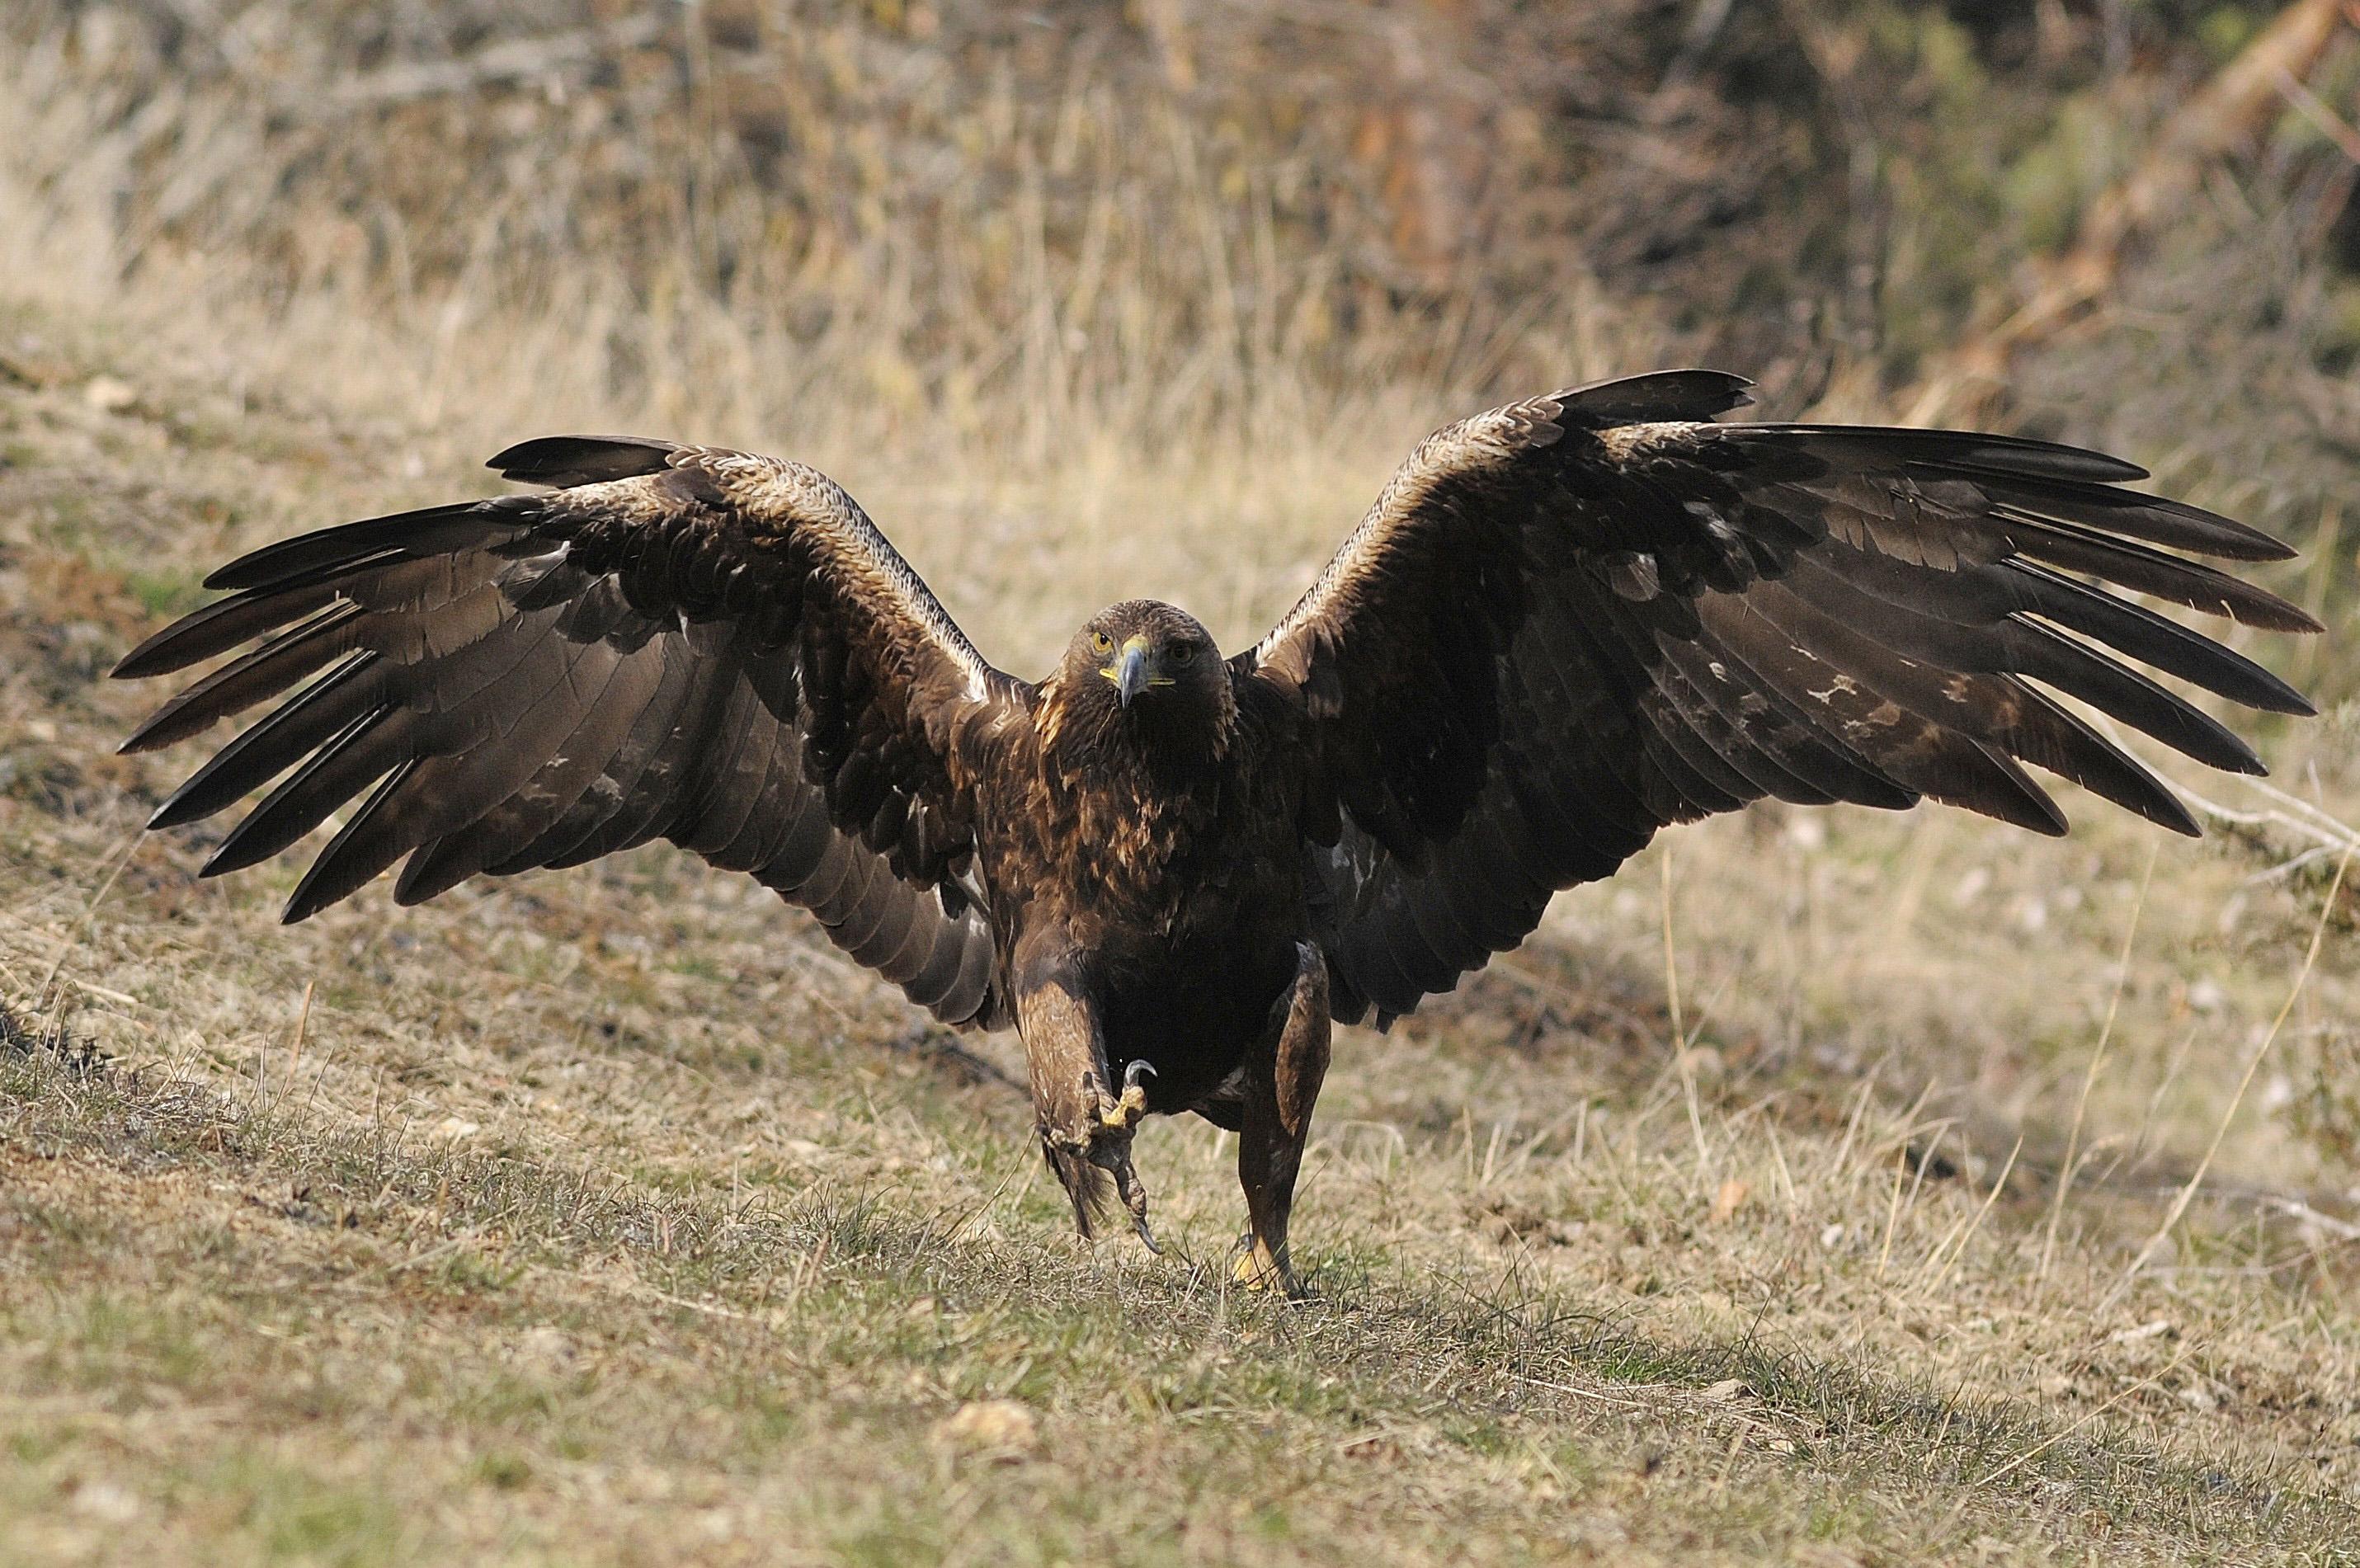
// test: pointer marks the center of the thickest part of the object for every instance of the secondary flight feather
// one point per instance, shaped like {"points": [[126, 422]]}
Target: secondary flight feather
{"points": [[1564, 625]]}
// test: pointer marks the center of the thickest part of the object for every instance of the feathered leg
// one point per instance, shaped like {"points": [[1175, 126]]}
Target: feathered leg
{"points": [[1283, 1078], [1084, 1127]]}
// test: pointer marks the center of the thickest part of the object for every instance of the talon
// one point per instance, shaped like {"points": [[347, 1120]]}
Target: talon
{"points": [[1133, 1193], [1116, 1162], [1123, 1112]]}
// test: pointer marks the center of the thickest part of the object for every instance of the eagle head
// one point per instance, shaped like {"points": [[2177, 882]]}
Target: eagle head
{"points": [[1147, 667]]}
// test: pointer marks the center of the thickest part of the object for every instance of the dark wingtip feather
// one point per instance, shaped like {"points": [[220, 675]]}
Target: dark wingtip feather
{"points": [[218, 627], [2046, 460], [178, 809], [150, 737], [2005, 791], [261, 834], [352, 858], [145, 659], [2264, 611], [174, 721], [2156, 518], [2247, 682], [155, 656], [1659, 395], [236, 853], [563, 462], [2295, 618], [2140, 792], [2185, 527], [306, 901], [155, 732], [306, 557], [2074, 547]]}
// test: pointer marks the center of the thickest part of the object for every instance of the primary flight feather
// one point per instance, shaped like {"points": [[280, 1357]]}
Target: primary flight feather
{"points": [[1564, 625]]}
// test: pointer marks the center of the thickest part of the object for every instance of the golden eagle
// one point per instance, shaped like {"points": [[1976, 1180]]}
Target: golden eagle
{"points": [[1565, 623]]}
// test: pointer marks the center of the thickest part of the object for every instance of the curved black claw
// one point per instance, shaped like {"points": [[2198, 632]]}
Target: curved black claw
{"points": [[1133, 1193]]}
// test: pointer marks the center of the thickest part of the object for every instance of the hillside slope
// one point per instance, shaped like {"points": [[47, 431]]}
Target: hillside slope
{"points": [[610, 1216]]}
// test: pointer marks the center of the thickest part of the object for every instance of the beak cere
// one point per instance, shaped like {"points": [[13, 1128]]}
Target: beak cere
{"points": [[1132, 674]]}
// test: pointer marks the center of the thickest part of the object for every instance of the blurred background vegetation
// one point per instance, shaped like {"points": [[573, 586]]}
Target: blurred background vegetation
{"points": [[1197, 222]]}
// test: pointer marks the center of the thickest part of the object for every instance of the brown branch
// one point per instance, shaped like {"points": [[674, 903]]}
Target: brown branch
{"points": [[2234, 106]]}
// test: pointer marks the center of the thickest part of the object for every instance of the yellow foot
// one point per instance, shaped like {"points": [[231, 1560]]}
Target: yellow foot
{"points": [[1123, 1113], [1109, 1145], [1258, 1268]]}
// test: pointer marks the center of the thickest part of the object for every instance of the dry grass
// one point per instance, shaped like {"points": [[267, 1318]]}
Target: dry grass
{"points": [[609, 1216]]}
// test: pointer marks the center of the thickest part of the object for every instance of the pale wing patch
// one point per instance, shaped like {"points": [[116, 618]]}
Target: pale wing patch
{"points": [[851, 547], [1489, 438]]}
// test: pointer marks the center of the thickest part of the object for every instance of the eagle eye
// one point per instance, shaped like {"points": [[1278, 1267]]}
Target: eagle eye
{"points": [[1183, 652], [1101, 643]]}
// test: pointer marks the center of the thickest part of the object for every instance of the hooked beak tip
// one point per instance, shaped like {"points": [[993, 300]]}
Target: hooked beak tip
{"points": [[1130, 677]]}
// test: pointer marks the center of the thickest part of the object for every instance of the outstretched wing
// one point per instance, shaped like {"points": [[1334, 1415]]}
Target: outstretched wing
{"points": [[1569, 622], [677, 642]]}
